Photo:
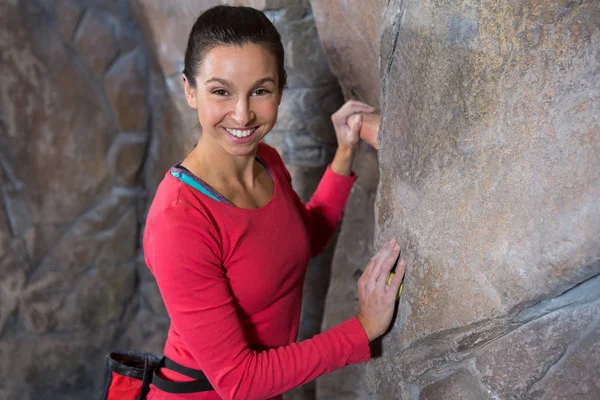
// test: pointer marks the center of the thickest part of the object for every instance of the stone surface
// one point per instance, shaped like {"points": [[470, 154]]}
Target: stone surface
{"points": [[490, 172], [68, 14], [353, 251], [171, 139], [350, 38], [125, 84], [68, 223], [156, 17], [126, 156], [96, 41], [511, 365], [305, 61], [459, 385], [349, 33], [575, 375]]}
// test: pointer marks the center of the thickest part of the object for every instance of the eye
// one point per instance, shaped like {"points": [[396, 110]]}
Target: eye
{"points": [[260, 92], [220, 92]]}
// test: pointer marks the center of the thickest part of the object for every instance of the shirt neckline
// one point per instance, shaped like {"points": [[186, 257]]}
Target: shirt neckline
{"points": [[184, 175]]}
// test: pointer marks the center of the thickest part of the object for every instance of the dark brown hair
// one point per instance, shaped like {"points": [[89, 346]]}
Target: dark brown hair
{"points": [[228, 25]]}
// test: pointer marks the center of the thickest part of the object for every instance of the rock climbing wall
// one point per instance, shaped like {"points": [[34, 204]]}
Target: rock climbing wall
{"points": [[489, 176], [73, 137], [490, 167]]}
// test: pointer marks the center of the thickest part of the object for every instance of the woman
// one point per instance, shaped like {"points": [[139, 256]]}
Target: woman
{"points": [[228, 240]]}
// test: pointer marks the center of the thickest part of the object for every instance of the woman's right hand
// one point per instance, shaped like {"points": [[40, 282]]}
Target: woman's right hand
{"points": [[376, 299], [368, 125]]}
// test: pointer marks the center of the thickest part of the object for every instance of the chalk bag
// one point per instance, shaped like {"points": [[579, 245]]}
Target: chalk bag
{"points": [[128, 375]]}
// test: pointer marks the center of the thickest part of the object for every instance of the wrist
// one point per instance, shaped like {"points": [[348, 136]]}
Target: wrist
{"points": [[346, 152], [370, 335], [342, 161]]}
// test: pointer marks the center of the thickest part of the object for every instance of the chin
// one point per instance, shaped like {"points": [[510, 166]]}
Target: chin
{"points": [[242, 150]]}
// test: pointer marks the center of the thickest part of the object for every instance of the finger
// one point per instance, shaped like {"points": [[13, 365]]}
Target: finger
{"points": [[368, 270], [353, 107], [346, 112], [380, 258], [384, 250], [360, 104], [371, 265], [396, 281], [401, 268], [386, 267], [355, 123]]}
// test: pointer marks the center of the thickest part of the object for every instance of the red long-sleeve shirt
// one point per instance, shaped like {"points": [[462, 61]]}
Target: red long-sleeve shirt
{"points": [[231, 280]]}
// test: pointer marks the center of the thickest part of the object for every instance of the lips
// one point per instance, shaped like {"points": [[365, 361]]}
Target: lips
{"points": [[241, 136], [241, 133]]}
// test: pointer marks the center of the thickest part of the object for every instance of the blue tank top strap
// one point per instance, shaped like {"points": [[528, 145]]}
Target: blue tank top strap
{"points": [[184, 175]]}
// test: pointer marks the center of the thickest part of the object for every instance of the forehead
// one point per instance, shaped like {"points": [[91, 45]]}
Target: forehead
{"points": [[248, 62]]}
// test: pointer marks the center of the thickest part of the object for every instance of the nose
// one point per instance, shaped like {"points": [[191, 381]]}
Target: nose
{"points": [[243, 114]]}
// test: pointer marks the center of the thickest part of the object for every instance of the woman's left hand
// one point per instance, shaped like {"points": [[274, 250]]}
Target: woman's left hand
{"points": [[348, 131]]}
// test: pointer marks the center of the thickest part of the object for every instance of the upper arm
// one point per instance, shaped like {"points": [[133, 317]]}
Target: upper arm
{"points": [[185, 258]]}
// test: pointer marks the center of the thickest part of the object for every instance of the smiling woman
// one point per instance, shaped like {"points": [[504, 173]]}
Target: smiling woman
{"points": [[236, 97], [228, 240]]}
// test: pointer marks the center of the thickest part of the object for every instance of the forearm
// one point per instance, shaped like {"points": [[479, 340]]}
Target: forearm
{"points": [[342, 161]]}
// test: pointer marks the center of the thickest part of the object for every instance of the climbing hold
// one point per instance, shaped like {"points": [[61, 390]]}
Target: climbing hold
{"points": [[400, 289]]}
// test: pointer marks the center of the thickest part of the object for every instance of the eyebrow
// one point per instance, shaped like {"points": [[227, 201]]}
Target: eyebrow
{"points": [[227, 83]]}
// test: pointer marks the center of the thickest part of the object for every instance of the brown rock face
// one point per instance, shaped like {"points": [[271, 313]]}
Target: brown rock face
{"points": [[490, 175], [350, 34], [125, 84], [70, 197]]}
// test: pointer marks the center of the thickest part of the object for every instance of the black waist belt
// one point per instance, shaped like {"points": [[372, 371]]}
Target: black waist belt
{"points": [[200, 384]]}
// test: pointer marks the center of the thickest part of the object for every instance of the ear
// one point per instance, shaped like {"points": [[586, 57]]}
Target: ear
{"points": [[190, 92]]}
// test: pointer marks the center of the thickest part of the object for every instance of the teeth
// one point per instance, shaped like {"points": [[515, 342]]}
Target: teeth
{"points": [[240, 133]]}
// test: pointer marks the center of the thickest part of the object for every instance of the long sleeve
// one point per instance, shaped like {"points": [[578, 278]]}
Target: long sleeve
{"points": [[184, 253], [323, 213]]}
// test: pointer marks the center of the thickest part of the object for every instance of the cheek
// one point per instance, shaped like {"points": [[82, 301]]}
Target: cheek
{"points": [[210, 113], [268, 110]]}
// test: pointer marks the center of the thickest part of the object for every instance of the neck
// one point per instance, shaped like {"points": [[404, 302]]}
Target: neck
{"points": [[221, 166]]}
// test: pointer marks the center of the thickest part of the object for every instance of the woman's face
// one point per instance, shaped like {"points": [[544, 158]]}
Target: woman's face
{"points": [[236, 96]]}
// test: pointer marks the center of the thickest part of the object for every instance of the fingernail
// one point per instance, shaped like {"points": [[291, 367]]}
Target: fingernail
{"points": [[397, 247]]}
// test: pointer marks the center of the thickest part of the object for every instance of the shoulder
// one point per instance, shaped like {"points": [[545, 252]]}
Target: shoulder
{"points": [[269, 154], [175, 209], [273, 160]]}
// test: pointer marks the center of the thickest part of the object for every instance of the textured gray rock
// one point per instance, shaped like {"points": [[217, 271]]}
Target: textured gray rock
{"points": [[350, 37], [490, 179], [353, 251], [126, 156], [125, 84], [68, 13], [96, 41], [349, 33], [70, 195]]}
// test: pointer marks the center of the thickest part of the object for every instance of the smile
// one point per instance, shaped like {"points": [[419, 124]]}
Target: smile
{"points": [[241, 133]]}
